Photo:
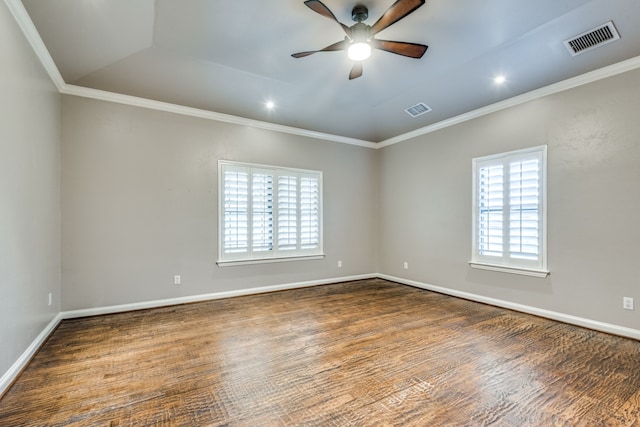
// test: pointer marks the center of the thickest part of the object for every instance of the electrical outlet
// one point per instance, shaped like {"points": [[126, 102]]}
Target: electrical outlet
{"points": [[177, 280], [627, 303], [50, 299], [340, 264], [406, 265]]}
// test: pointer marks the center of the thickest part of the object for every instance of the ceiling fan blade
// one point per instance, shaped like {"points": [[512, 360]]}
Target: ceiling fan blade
{"points": [[319, 7], [341, 45], [396, 12], [356, 71], [412, 50]]}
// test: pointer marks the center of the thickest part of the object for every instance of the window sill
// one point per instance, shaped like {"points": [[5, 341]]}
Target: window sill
{"points": [[235, 262], [513, 270]]}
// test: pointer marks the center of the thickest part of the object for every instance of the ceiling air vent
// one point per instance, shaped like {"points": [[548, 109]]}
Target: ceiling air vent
{"points": [[418, 109], [596, 37]]}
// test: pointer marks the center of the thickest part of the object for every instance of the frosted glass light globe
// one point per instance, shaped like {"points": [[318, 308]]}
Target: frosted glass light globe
{"points": [[359, 51]]}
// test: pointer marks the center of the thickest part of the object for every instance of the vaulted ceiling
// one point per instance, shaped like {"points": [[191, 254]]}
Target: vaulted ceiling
{"points": [[233, 56]]}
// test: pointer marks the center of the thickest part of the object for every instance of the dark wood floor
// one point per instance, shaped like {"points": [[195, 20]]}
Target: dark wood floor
{"points": [[367, 353]]}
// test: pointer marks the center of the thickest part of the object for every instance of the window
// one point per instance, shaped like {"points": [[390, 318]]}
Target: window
{"points": [[509, 212], [268, 213]]}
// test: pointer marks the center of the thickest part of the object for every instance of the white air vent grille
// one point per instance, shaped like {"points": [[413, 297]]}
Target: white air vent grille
{"points": [[418, 109], [596, 37]]}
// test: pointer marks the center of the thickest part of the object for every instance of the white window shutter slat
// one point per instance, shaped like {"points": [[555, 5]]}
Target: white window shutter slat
{"points": [[309, 213], [524, 205], [268, 212], [262, 212], [491, 205], [236, 205], [509, 217], [287, 213]]}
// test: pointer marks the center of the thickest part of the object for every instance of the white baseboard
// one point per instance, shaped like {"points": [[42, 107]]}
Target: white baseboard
{"points": [[560, 317], [206, 297], [10, 376]]}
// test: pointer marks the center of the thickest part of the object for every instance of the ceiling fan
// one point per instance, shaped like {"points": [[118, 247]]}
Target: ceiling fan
{"points": [[360, 39]]}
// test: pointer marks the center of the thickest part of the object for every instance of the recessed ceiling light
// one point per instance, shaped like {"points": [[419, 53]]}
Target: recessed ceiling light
{"points": [[499, 79], [270, 105]]}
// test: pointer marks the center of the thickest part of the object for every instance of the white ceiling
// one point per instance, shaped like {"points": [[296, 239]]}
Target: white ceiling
{"points": [[232, 56]]}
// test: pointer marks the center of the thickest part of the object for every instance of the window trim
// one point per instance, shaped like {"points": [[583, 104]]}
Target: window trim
{"points": [[274, 256], [271, 260], [477, 261]]}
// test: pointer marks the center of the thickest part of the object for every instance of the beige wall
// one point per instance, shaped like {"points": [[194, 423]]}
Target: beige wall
{"points": [[593, 138], [29, 194], [139, 204], [136, 195]]}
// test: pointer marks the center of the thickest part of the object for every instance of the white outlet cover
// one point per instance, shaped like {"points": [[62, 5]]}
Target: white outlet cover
{"points": [[627, 303], [176, 280]]}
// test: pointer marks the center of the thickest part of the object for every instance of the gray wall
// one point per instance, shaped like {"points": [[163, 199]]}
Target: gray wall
{"points": [[139, 204], [593, 138], [137, 200], [29, 194]]}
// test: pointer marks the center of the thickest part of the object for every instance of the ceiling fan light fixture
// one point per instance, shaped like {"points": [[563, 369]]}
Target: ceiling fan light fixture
{"points": [[359, 48], [360, 39], [359, 51]]}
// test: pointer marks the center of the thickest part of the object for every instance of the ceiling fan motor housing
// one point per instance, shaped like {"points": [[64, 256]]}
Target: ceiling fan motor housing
{"points": [[360, 13], [360, 33], [359, 39]]}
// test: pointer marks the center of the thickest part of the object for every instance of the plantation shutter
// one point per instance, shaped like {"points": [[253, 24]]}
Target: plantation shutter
{"points": [[491, 214], [524, 209], [309, 212], [262, 211], [287, 212], [508, 210], [236, 211], [269, 213]]}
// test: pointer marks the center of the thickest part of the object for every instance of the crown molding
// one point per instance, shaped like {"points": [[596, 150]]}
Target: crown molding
{"points": [[590, 77], [31, 33], [135, 101], [26, 24], [24, 21]]}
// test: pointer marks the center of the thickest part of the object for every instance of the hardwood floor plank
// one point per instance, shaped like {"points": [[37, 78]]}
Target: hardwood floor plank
{"points": [[627, 415], [365, 353]]}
